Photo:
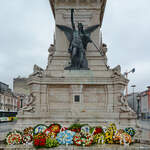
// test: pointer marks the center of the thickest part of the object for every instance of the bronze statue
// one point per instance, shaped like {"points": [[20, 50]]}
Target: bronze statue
{"points": [[79, 40]]}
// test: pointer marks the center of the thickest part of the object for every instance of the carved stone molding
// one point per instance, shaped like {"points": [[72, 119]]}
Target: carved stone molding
{"points": [[99, 3]]}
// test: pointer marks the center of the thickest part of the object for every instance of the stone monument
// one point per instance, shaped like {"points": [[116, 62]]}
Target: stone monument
{"points": [[64, 94]]}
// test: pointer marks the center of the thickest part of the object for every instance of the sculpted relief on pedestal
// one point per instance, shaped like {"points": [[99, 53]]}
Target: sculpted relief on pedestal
{"points": [[29, 104], [124, 104], [37, 71]]}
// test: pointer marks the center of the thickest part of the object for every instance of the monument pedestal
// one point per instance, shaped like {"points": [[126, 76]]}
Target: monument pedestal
{"points": [[90, 96], [77, 96]]}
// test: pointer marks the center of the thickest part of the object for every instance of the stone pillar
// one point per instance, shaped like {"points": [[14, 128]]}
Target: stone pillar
{"points": [[13, 104], [88, 12], [35, 89], [110, 98], [43, 98], [148, 98]]}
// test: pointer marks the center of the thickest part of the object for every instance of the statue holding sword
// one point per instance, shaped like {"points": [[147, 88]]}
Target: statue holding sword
{"points": [[79, 39]]}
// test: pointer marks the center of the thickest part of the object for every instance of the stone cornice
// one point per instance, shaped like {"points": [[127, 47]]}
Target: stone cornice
{"points": [[101, 14], [87, 81]]}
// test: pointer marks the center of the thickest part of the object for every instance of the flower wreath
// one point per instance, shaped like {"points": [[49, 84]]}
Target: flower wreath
{"points": [[14, 138], [97, 130], [63, 129], [27, 138], [76, 127], [39, 140], [117, 136], [50, 134], [130, 131], [51, 142], [40, 128], [65, 137], [55, 128], [28, 130], [125, 138], [99, 138], [110, 132], [83, 140]]}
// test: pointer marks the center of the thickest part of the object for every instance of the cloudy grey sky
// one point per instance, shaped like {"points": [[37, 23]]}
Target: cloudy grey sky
{"points": [[27, 27]]}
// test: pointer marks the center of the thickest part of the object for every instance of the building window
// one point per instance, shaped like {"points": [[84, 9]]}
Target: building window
{"points": [[77, 98]]}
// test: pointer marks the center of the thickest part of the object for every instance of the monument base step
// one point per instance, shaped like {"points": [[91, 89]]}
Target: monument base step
{"points": [[27, 120], [95, 147]]}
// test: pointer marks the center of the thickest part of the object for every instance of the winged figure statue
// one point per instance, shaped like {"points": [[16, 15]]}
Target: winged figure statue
{"points": [[79, 39]]}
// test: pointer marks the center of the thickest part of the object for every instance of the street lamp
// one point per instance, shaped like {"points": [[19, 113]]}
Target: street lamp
{"points": [[138, 106], [126, 75], [133, 86]]}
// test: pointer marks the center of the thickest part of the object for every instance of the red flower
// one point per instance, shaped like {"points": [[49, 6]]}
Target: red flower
{"points": [[40, 142], [36, 142], [98, 130], [64, 129]]}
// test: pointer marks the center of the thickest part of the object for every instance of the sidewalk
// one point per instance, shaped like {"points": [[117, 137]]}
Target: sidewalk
{"points": [[144, 124], [100, 147]]}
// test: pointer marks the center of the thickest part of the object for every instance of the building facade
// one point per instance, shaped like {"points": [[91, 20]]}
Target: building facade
{"points": [[8, 101], [21, 90], [132, 101], [20, 86], [143, 105]]}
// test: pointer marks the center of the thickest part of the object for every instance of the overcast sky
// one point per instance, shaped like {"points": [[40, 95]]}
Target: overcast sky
{"points": [[27, 27]]}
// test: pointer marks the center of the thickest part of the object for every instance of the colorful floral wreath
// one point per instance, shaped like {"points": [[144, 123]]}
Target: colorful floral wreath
{"points": [[40, 128], [113, 126], [28, 130], [47, 131], [110, 132], [14, 138], [82, 140], [51, 142], [97, 130], [85, 130], [76, 127], [55, 128], [117, 136], [130, 131], [42, 136], [39, 140], [50, 134], [65, 137], [63, 129], [125, 138], [99, 138], [27, 138]]}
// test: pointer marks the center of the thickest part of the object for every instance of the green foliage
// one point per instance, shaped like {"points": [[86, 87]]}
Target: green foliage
{"points": [[41, 129], [77, 126], [50, 142], [92, 129]]}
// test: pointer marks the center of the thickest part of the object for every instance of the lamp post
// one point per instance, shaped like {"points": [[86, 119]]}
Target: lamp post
{"points": [[138, 105], [126, 75], [133, 86]]}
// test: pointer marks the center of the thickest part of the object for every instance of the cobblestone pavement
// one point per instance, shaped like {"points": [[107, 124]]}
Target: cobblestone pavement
{"points": [[6, 127], [144, 124]]}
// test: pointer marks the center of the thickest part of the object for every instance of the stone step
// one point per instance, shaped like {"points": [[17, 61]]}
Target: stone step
{"points": [[64, 61], [63, 73], [135, 146], [89, 53]]}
